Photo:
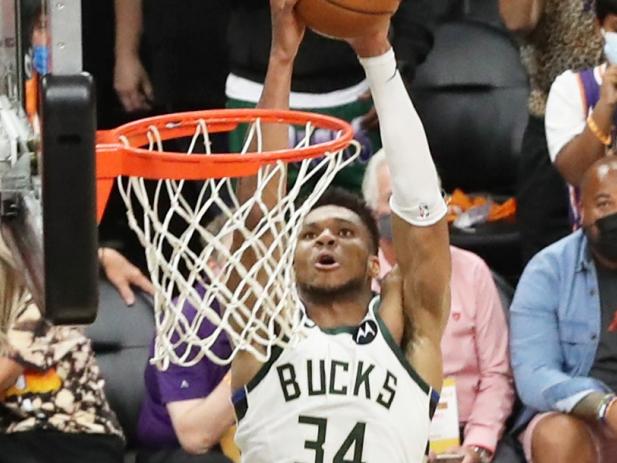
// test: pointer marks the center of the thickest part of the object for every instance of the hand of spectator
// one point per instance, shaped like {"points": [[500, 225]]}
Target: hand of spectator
{"points": [[468, 455], [132, 84], [9, 372], [611, 418], [122, 274], [608, 91]]}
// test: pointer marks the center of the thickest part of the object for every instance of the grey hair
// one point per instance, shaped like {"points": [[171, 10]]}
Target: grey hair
{"points": [[370, 186]]}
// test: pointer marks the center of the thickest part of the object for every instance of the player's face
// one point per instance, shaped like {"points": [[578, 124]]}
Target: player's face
{"points": [[334, 250]]}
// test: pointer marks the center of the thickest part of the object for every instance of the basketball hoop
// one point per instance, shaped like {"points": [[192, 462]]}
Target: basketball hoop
{"points": [[134, 153]]}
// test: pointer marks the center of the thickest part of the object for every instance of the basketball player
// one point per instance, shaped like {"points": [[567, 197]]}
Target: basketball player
{"points": [[358, 382]]}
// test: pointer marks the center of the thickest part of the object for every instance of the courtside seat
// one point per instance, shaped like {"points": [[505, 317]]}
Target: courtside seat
{"points": [[471, 94], [121, 337]]}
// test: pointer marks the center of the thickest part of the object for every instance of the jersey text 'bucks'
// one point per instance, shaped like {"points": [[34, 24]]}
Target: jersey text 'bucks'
{"points": [[345, 395]]}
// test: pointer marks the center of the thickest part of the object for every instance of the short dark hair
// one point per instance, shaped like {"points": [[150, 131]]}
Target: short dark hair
{"points": [[604, 8], [336, 196]]}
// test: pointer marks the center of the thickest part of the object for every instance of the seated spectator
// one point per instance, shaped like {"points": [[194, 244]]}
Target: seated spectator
{"points": [[475, 341], [52, 404], [187, 410], [563, 341], [580, 124]]}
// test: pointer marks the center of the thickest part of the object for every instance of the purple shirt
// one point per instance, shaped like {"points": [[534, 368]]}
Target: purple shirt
{"points": [[177, 383]]}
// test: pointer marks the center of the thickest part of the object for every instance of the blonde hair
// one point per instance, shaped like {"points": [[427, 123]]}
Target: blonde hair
{"points": [[13, 293]]}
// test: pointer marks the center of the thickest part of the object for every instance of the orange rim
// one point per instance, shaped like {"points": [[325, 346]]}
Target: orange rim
{"points": [[115, 159]]}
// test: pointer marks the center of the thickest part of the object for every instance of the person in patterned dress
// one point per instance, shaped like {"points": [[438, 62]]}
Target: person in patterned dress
{"points": [[52, 404], [555, 35]]}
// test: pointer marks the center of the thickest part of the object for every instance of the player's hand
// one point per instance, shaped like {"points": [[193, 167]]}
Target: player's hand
{"points": [[132, 84], [122, 274], [287, 29], [608, 90]]}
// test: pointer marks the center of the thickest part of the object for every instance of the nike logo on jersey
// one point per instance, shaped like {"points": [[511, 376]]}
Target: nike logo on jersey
{"points": [[335, 377]]}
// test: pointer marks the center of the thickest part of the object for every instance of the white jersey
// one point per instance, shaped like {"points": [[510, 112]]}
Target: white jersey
{"points": [[346, 395]]}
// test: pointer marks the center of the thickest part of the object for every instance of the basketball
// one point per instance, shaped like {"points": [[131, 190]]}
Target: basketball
{"points": [[344, 19]]}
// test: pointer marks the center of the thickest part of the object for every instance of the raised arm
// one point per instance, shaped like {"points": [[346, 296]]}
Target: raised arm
{"points": [[287, 33], [575, 143], [419, 226], [521, 16]]}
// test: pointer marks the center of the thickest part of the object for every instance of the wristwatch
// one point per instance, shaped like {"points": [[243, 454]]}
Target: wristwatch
{"points": [[485, 455]]}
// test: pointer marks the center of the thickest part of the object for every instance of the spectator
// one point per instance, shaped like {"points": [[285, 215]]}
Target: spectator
{"points": [[327, 76], [581, 108], [183, 44], [557, 35], [185, 48], [187, 410], [52, 404], [475, 342], [563, 341]]}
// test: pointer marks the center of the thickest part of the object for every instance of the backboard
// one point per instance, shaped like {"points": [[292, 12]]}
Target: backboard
{"points": [[47, 152]]}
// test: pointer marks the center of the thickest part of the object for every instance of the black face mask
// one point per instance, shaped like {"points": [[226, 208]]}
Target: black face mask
{"points": [[606, 242]]}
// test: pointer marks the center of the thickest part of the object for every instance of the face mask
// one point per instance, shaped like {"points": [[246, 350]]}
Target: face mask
{"points": [[606, 242], [40, 59], [384, 224]]}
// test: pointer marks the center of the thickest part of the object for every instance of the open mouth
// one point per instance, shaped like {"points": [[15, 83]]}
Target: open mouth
{"points": [[326, 261]]}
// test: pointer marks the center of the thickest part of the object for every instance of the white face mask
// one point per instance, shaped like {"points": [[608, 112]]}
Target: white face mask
{"points": [[610, 46]]}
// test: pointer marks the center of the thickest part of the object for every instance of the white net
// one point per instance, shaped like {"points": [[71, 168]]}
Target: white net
{"points": [[196, 312]]}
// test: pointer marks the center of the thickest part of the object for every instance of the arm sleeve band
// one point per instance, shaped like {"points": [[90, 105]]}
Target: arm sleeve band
{"points": [[416, 193]]}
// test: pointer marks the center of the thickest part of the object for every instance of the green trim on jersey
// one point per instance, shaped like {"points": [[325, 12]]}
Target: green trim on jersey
{"points": [[396, 349], [339, 330], [265, 368]]}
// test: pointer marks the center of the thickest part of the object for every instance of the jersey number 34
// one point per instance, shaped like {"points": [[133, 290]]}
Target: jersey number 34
{"points": [[354, 439]]}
